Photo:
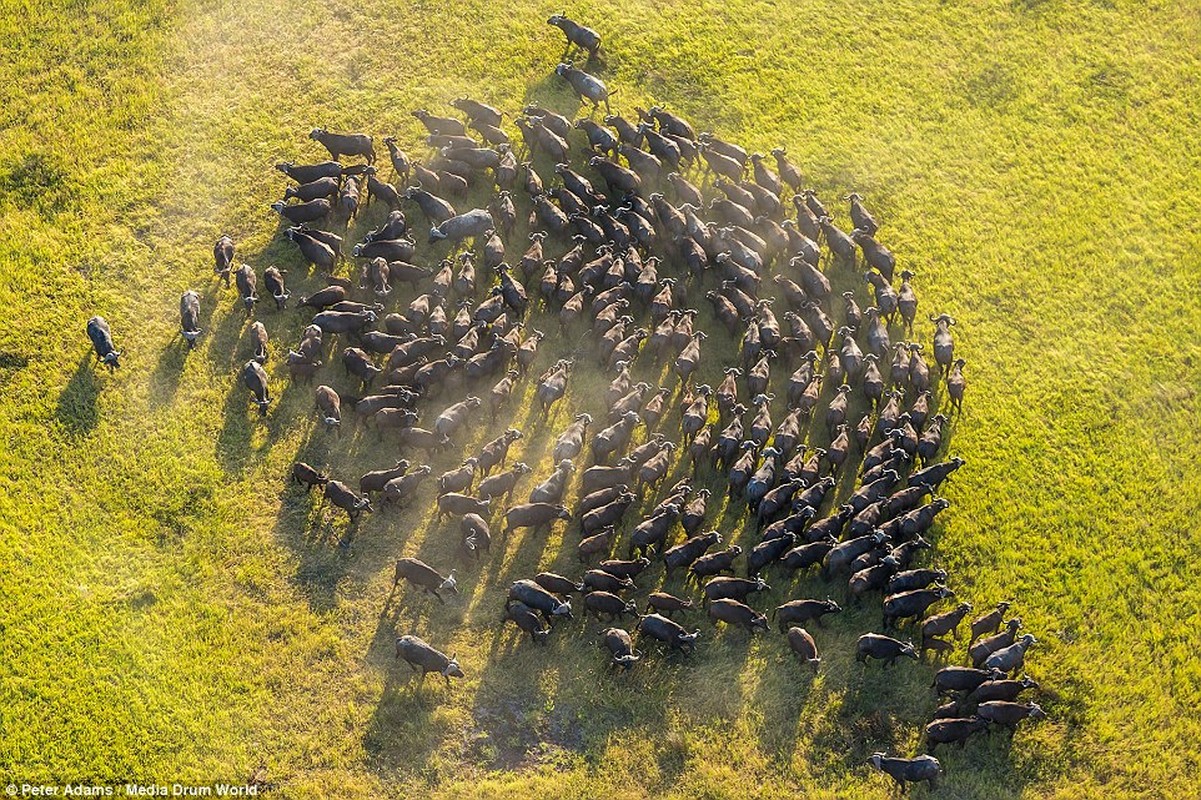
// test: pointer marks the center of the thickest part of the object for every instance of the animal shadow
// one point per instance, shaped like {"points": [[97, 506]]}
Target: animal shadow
{"points": [[76, 410]]}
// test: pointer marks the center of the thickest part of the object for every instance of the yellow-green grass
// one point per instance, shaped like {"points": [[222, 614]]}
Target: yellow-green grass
{"points": [[173, 610]]}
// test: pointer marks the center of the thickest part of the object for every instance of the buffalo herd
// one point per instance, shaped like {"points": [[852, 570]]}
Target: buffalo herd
{"points": [[827, 428]]}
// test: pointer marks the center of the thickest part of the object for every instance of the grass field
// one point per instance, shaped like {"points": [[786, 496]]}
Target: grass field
{"points": [[174, 611]]}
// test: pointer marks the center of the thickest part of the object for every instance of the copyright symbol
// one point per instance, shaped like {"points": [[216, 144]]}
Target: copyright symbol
{"points": [[11, 790]]}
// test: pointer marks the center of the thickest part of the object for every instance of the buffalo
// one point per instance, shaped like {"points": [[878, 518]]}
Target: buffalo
{"points": [[984, 648], [714, 563], [621, 647], [666, 604], [420, 655], [308, 476], [477, 535], [1009, 714], [468, 225], [577, 35], [1011, 658], [534, 596], [908, 770], [223, 257], [189, 317], [455, 504], [339, 144], [947, 731], [960, 679], [344, 498], [686, 553], [801, 643], [552, 489], [730, 588], [668, 632], [502, 484], [557, 584], [423, 575], [587, 86], [883, 648], [274, 278], [376, 480], [988, 623], [1004, 689], [734, 612], [255, 379], [300, 213], [912, 604], [800, 611], [528, 620], [602, 602], [533, 515], [102, 342]]}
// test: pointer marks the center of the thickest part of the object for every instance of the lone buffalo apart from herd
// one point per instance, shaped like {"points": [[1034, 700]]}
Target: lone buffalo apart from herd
{"points": [[827, 433]]}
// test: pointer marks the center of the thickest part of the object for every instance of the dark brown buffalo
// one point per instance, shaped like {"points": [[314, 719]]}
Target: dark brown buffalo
{"points": [[223, 258], [533, 515], [620, 647], [375, 481], [714, 563], [687, 552], [1009, 714], [664, 603], [945, 623], [600, 580], [424, 576], [308, 476], [990, 622], [912, 604], [477, 535], [914, 579], [344, 498], [455, 504], [610, 605], [534, 596], [908, 770], [734, 612], [418, 654], [883, 648], [801, 611], [557, 584], [339, 144], [801, 643], [1007, 690], [668, 632], [947, 731], [528, 620], [722, 588], [981, 650], [960, 679], [625, 568]]}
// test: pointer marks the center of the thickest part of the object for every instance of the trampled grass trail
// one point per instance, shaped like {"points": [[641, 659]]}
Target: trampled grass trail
{"points": [[173, 610]]}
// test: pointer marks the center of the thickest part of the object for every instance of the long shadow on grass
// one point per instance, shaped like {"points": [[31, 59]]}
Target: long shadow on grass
{"points": [[553, 93], [76, 410], [225, 346], [331, 549], [164, 381], [531, 703], [246, 436], [402, 734]]}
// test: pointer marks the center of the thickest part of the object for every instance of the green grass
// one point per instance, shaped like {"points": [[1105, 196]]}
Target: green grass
{"points": [[173, 611]]}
